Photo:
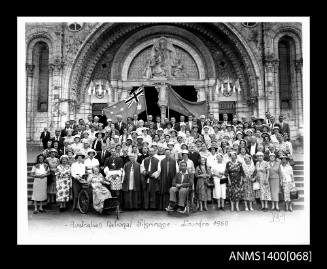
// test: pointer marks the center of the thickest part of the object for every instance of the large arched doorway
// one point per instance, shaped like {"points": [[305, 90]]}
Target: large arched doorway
{"points": [[120, 53]]}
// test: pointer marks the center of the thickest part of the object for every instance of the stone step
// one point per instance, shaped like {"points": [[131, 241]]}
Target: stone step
{"points": [[300, 178], [298, 173], [299, 185], [298, 167], [299, 162]]}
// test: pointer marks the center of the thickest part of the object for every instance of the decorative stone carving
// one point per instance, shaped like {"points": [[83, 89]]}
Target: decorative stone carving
{"points": [[163, 63], [298, 65], [30, 70], [162, 91]]}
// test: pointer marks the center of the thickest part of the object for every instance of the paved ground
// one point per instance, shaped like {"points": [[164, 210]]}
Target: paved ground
{"points": [[154, 227]]}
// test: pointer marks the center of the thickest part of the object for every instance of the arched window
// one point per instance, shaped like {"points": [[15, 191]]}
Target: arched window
{"points": [[285, 51], [41, 62]]}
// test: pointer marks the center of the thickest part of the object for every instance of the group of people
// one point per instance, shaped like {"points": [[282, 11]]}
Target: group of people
{"points": [[159, 165]]}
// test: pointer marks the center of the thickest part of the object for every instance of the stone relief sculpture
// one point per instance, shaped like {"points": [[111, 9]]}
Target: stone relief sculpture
{"points": [[163, 62]]}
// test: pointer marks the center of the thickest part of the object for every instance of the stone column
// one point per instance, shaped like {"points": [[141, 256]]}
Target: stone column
{"points": [[201, 94], [29, 99], [270, 65], [299, 92], [163, 99]]}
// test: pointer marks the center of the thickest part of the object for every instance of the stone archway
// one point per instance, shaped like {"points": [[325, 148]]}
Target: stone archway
{"points": [[209, 36]]}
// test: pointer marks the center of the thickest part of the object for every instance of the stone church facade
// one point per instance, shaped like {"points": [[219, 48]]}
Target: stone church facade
{"points": [[242, 68]]}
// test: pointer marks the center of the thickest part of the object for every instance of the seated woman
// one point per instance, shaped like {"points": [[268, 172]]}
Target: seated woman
{"points": [[100, 192]]}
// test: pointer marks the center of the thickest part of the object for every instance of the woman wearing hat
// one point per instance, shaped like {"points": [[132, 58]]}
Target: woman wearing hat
{"points": [[99, 191], [212, 158], [53, 162], [91, 161], [173, 136], [249, 170], [287, 181], [274, 180], [78, 171], [98, 145], [77, 145], [235, 174], [69, 139], [71, 157], [262, 176], [202, 173], [40, 171], [63, 182], [218, 172]]}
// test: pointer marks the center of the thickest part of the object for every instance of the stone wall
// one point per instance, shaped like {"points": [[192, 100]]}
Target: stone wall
{"points": [[260, 41]]}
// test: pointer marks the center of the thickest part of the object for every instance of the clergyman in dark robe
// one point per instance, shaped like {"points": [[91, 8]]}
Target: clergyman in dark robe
{"points": [[150, 172], [131, 186], [169, 168]]}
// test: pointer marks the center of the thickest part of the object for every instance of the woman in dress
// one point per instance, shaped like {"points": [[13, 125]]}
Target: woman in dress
{"points": [[204, 152], [100, 192], [234, 172], [219, 191], [91, 161], [39, 172], [288, 144], [274, 180], [262, 175], [249, 170], [202, 173], [53, 162], [63, 182], [212, 158], [287, 181]]}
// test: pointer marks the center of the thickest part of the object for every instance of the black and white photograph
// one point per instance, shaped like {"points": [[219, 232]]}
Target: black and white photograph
{"points": [[163, 130]]}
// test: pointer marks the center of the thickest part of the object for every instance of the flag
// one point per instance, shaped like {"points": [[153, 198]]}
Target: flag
{"points": [[183, 106], [134, 104]]}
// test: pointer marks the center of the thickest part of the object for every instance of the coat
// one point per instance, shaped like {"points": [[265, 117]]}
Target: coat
{"points": [[153, 183], [187, 182], [166, 179], [117, 161], [137, 176], [123, 125]]}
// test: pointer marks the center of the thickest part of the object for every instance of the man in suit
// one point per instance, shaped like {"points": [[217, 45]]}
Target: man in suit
{"points": [[113, 162], [267, 119], [189, 124], [168, 167], [135, 120], [225, 119], [120, 125], [211, 119], [181, 121], [106, 153], [158, 123], [57, 137], [181, 183], [173, 123], [147, 123], [150, 170], [284, 127], [64, 131], [45, 137], [103, 119], [272, 123], [202, 123]]}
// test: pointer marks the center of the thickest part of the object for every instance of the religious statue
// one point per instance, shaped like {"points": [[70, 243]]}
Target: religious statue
{"points": [[163, 62]]}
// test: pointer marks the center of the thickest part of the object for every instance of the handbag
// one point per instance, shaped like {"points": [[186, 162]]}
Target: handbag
{"points": [[224, 180], [256, 186], [210, 182], [294, 194]]}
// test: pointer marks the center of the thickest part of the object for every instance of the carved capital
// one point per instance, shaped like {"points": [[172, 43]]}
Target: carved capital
{"points": [[298, 64], [30, 69]]}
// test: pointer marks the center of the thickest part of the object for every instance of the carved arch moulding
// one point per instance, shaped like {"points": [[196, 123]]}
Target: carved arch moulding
{"points": [[107, 34]]}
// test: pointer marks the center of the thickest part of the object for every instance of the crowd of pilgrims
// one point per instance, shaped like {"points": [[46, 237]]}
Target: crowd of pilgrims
{"points": [[154, 165]]}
